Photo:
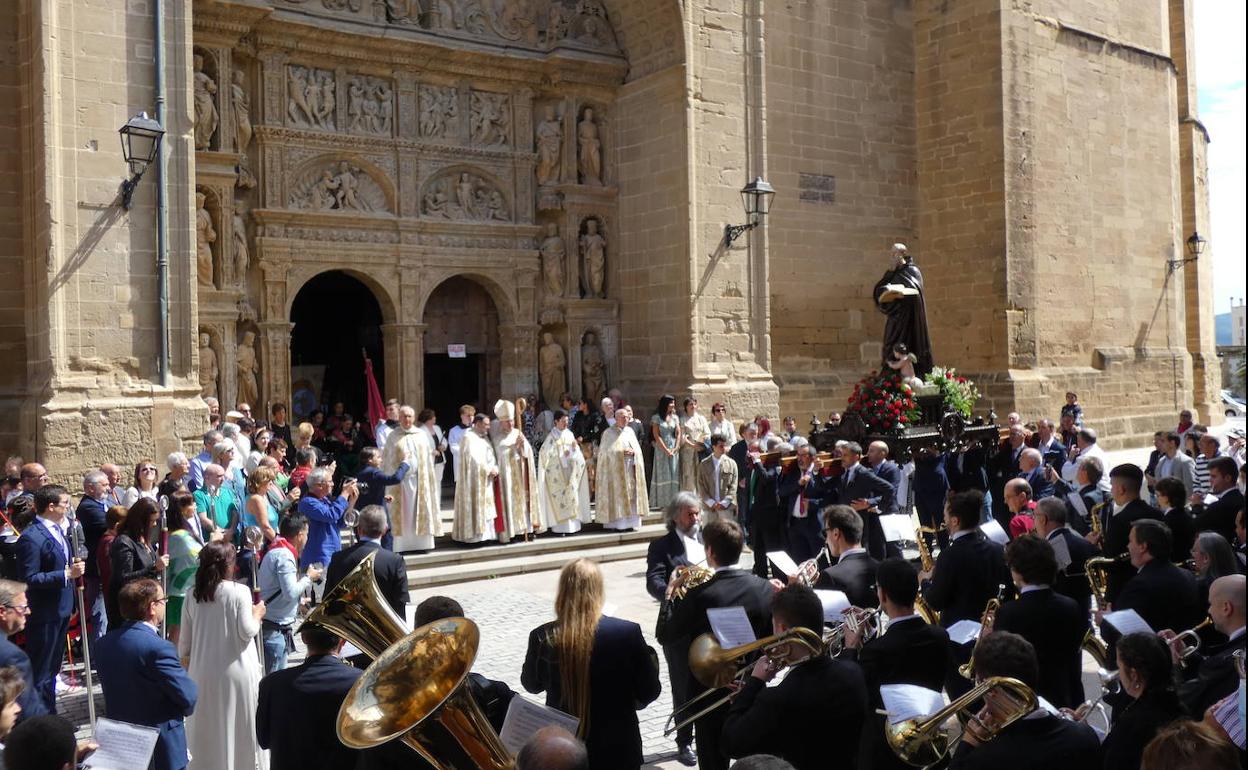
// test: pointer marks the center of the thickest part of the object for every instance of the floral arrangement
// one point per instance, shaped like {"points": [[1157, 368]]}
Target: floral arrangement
{"points": [[958, 392], [884, 402]]}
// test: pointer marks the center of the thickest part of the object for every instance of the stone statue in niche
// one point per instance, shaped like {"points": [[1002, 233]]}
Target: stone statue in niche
{"points": [[242, 258], [208, 371], [248, 389], [246, 313], [516, 20], [439, 108], [205, 236], [339, 187], [589, 153], [242, 112], [399, 11], [593, 368], [312, 98], [465, 197], [205, 105], [552, 367], [594, 259], [549, 147], [369, 106], [553, 254], [490, 120]]}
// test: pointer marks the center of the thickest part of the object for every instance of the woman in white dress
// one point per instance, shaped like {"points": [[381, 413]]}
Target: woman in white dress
{"points": [[218, 649], [695, 431], [721, 425]]}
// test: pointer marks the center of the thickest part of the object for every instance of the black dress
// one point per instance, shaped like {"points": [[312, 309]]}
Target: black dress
{"points": [[907, 316], [1136, 723], [130, 560]]}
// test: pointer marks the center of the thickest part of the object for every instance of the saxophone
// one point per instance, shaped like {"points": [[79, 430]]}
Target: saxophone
{"points": [[986, 621], [1097, 570], [1095, 520], [925, 611]]}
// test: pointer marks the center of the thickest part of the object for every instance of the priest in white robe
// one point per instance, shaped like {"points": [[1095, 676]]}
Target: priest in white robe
{"points": [[517, 476], [562, 483], [621, 477], [415, 518], [475, 510]]}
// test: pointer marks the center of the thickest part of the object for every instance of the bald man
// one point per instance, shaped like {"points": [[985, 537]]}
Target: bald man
{"points": [[1211, 673], [553, 748]]}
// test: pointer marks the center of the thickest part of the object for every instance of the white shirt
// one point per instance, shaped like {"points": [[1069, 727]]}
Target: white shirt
{"points": [[1235, 634], [841, 558], [1026, 589], [894, 621], [959, 534]]}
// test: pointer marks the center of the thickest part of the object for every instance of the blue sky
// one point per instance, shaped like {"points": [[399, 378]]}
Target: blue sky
{"points": [[1220, 88]]}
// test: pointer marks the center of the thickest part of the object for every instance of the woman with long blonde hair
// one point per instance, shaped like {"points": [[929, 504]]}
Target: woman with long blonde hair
{"points": [[595, 667]]}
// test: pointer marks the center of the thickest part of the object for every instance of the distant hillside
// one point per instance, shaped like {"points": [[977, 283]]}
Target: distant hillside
{"points": [[1222, 329]]}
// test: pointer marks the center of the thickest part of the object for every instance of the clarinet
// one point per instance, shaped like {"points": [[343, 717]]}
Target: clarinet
{"points": [[80, 552], [164, 551]]}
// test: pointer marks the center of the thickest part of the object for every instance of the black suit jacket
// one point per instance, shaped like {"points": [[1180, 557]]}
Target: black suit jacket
{"points": [[664, 555], [1091, 496], [623, 677], [1134, 727], [791, 720], [1073, 581], [1164, 596], [1055, 625], [909, 652], [968, 573], [1041, 487], [1043, 743], [1220, 516], [12, 655], [91, 513], [1117, 530], [1214, 677], [855, 575], [865, 485], [890, 472], [130, 560], [973, 473], [389, 569], [729, 588], [1182, 531], [296, 713]]}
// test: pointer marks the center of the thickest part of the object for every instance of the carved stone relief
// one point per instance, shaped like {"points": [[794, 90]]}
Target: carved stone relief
{"points": [[205, 98], [370, 106], [338, 186], [552, 368], [209, 371], [589, 149], [593, 245], [248, 369], [439, 112], [312, 99], [401, 12], [242, 257], [205, 242], [242, 112], [464, 196], [490, 119], [554, 266], [593, 368], [549, 145]]}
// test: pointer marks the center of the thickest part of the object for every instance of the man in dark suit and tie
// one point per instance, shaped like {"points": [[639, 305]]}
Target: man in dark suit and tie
{"points": [[388, 567], [821, 703], [44, 550], [1031, 468], [143, 681], [1039, 739], [730, 587], [13, 611], [909, 652], [1072, 580], [91, 513], [662, 558], [1219, 516], [1082, 496], [1051, 448], [1004, 466], [966, 575], [297, 709], [740, 454], [853, 570], [1125, 482], [801, 490], [1054, 624], [866, 493]]}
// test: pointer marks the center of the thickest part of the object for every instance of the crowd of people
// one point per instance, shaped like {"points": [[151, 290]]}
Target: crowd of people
{"points": [[193, 583]]}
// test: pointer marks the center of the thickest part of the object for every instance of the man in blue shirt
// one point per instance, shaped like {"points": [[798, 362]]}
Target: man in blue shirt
{"points": [[282, 588], [324, 516], [199, 461]]}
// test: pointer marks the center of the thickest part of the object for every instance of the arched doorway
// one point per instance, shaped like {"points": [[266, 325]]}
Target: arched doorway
{"points": [[460, 312], [335, 317]]}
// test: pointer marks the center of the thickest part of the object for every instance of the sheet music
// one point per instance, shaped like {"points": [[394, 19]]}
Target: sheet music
{"points": [[694, 551], [1127, 622], [1210, 499], [730, 625], [964, 631], [783, 562], [992, 529], [909, 701], [898, 526], [524, 718], [1077, 501], [1062, 551], [350, 650], [834, 604], [123, 746]]}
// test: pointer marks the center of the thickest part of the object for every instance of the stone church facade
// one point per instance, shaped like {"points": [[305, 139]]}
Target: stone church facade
{"points": [[549, 180]]}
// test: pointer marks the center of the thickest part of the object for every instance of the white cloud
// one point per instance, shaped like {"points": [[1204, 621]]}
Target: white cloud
{"points": [[1220, 75]]}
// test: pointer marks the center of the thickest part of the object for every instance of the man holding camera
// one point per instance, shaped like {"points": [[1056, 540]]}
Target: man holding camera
{"points": [[324, 516]]}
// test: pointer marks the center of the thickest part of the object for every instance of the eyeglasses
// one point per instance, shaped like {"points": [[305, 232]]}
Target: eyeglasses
{"points": [[161, 600], [20, 609], [717, 409], [148, 469]]}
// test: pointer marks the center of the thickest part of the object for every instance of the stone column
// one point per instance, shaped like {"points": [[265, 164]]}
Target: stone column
{"points": [[274, 356], [404, 345]]}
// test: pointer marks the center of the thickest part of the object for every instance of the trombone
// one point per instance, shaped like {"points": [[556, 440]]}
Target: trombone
{"points": [[716, 668], [923, 742]]}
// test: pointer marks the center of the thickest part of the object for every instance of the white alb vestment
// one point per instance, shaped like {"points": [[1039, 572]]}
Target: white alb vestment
{"points": [[562, 483], [517, 478], [414, 509], [474, 492], [621, 480]]}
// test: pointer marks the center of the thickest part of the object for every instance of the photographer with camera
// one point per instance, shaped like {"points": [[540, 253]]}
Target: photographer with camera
{"points": [[372, 482], [325, 517]]}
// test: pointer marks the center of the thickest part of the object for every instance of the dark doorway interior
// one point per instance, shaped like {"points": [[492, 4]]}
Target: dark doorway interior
{"points": [[450, 383], [335, 317]]}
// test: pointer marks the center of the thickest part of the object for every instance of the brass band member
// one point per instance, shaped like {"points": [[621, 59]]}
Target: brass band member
{"points": [[663, 556], [730, 587], [853, 569], [821, 702], [967, 574], [1082, 496], [1211, 673], [1054, 624], [1038, 741], [1124, 488], [1051, 523], [909, 652], [1147, 702]]}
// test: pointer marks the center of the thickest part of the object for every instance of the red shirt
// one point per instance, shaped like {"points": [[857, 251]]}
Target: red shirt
{"points": [[1023, 523]]}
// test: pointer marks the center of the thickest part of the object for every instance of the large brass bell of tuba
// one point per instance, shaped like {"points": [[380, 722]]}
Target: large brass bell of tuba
{"points": [[923, 742], [415, 691], [355, 610]]}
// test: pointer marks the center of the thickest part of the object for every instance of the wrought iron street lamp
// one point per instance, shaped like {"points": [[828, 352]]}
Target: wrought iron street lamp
{"points": [[756, 197], [140, 144], [1195, 247]]}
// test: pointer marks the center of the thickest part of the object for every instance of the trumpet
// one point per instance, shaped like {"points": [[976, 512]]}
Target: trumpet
{"points": [[1109, 685], [986, 620], [923, 742], [716, 668], [856, 619], [1193, 634], [808, 571], [1097, 571]]}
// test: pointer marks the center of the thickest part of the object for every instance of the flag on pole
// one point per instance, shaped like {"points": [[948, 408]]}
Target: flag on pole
{"points": [[376, 407]]}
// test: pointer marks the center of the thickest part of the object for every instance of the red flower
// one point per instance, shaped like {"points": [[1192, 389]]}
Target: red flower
{"points": [[961, 380]]}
